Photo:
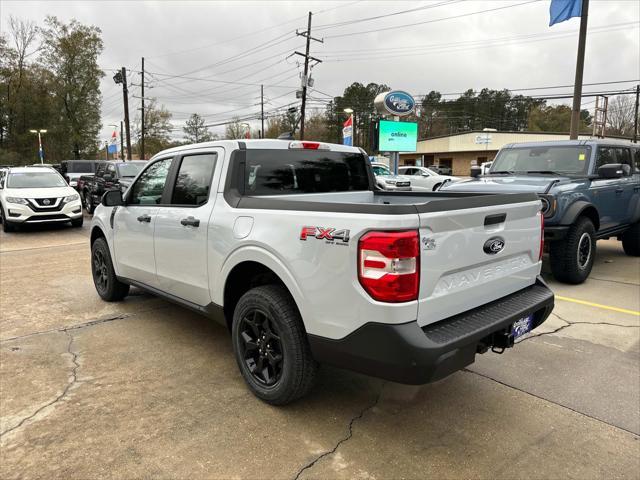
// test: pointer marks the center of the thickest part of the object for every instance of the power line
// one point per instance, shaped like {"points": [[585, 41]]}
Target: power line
{"points": [[431, 21], [327, 26]]}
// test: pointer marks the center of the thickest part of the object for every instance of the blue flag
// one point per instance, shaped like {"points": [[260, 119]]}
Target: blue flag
{"points": [[561, 10]]}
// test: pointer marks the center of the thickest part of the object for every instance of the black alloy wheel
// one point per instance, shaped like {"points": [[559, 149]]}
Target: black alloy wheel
{"points": [[100, 271], [260, 347]]}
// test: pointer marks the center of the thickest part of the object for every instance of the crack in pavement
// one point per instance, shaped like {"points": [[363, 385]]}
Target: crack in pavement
{"points": [[570, 323], [87, 324], [635, 434], [73, 379], [343, 440]]}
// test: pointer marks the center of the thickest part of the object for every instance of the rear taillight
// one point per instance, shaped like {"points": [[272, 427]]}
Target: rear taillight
{"points": [[541, 236], [389, 265]]}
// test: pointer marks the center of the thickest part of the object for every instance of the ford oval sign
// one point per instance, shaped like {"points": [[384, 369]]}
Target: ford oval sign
{"points": [[395, 102], [493, 245]]}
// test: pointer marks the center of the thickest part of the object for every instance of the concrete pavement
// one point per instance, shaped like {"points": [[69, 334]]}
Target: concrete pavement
{"points": [[144, 388]]}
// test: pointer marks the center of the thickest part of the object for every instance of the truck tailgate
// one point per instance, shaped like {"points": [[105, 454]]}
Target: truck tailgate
{"points": [[462, 264]]}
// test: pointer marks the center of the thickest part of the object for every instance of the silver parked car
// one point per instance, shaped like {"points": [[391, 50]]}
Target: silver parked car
{"points": [[387, 180], [423, 177]]}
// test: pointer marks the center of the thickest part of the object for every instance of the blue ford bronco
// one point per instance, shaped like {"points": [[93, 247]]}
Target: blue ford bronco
{"points": [[590, 190]]}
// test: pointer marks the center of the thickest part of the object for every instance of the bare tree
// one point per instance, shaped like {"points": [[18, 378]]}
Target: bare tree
{"points": [[235, 129], [620, 115]]}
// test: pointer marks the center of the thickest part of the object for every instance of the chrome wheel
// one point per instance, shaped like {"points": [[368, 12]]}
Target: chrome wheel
{"points": [[260, 347], [584, 250]]}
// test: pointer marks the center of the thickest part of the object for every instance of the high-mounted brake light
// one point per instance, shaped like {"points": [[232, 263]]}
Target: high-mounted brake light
{"points": [[389, 265], [308, 146], [541, 236]]}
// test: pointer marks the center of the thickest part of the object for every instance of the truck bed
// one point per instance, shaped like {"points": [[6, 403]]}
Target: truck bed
{"points": [[379, 202]]}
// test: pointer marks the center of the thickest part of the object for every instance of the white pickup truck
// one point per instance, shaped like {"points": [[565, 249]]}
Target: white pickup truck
{"points": [[293, 248]]}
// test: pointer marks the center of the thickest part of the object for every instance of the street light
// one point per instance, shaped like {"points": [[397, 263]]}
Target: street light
{"points": [[40, 150]]}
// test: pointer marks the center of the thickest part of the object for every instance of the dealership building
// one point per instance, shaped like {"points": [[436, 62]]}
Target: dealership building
{"points": [[460, 151]]}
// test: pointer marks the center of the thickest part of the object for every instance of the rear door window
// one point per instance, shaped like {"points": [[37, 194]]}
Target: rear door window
{"points": [[193, 182], [276, 172]]}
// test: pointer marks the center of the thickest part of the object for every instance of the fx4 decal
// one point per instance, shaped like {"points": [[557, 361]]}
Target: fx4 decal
{"points": [[321, 233]]}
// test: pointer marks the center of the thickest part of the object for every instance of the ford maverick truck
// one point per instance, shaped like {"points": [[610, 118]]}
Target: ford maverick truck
{"points": [[291, 246]]}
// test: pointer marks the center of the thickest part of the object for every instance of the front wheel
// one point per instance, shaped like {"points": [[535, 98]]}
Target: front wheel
{"points": [[631, 240], [572, 258], [7, 227], [88, 202], [270, 345], [104, 276], [436, 187]]}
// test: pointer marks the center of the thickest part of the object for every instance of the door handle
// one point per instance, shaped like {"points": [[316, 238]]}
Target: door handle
{"points": [[619, 191], [194, 222], [144, 218]]}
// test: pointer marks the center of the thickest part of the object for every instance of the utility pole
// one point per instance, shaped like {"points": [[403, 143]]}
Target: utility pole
{"points": [[577, 86], [305, 78], [635, 115], [142, 115], [262, 111], [121, 142], [121, 77]]}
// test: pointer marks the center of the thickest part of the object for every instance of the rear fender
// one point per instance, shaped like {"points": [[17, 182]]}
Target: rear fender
{"points": [[253, 253]]}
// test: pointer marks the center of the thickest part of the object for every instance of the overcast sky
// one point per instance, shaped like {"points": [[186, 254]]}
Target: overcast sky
{"points": [[226, 49]]}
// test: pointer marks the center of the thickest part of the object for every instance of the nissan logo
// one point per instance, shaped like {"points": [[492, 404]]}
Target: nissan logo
{"points": [[493, 245], [46, 201]]}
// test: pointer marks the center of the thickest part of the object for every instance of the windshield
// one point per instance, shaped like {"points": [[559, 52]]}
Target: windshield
{"points": [[129, 169], [378, 170], [560, 159], [35, 180], [78, 167], [279, 172]]}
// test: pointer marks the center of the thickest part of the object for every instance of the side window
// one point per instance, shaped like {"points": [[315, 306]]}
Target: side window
{"points": [[2, 176], [624, 156], [606, 155], [193, 182], [150, 186], [636, 159]]}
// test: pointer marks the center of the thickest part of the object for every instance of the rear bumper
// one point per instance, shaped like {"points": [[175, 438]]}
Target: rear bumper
{"points": [[410, 354]]}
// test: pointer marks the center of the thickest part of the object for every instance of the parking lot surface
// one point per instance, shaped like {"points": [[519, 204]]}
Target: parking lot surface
{"points": [[143, 388]]}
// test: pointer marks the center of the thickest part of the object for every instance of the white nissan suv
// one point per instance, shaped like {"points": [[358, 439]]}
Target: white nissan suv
{"points": [[36, 195]]}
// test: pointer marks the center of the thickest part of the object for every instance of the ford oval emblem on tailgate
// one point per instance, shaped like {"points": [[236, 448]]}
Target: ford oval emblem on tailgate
{"points": [[493, 245]]}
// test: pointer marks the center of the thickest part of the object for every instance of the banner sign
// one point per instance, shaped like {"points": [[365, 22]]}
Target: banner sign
{"points": [[347, 132]]}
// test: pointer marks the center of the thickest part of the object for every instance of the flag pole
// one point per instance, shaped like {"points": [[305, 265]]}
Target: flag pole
{"points": [[577, 87]]}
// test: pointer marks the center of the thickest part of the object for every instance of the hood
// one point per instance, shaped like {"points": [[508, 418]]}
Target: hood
{"points": [[505, 184], [40, 192]]}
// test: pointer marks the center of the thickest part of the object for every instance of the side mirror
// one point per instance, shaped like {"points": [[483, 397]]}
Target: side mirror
{"points": [[112, 198], [475, 171], [611, 170]]}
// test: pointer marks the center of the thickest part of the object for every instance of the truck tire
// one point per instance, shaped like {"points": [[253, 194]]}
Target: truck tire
{"points": [[270, 345], [88, 202], [631, 240], [104, 277], [436, 187], [572, 258]]}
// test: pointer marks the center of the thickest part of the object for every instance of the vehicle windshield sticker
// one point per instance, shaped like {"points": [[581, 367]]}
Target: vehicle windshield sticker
{"points": [[582, 156]]}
